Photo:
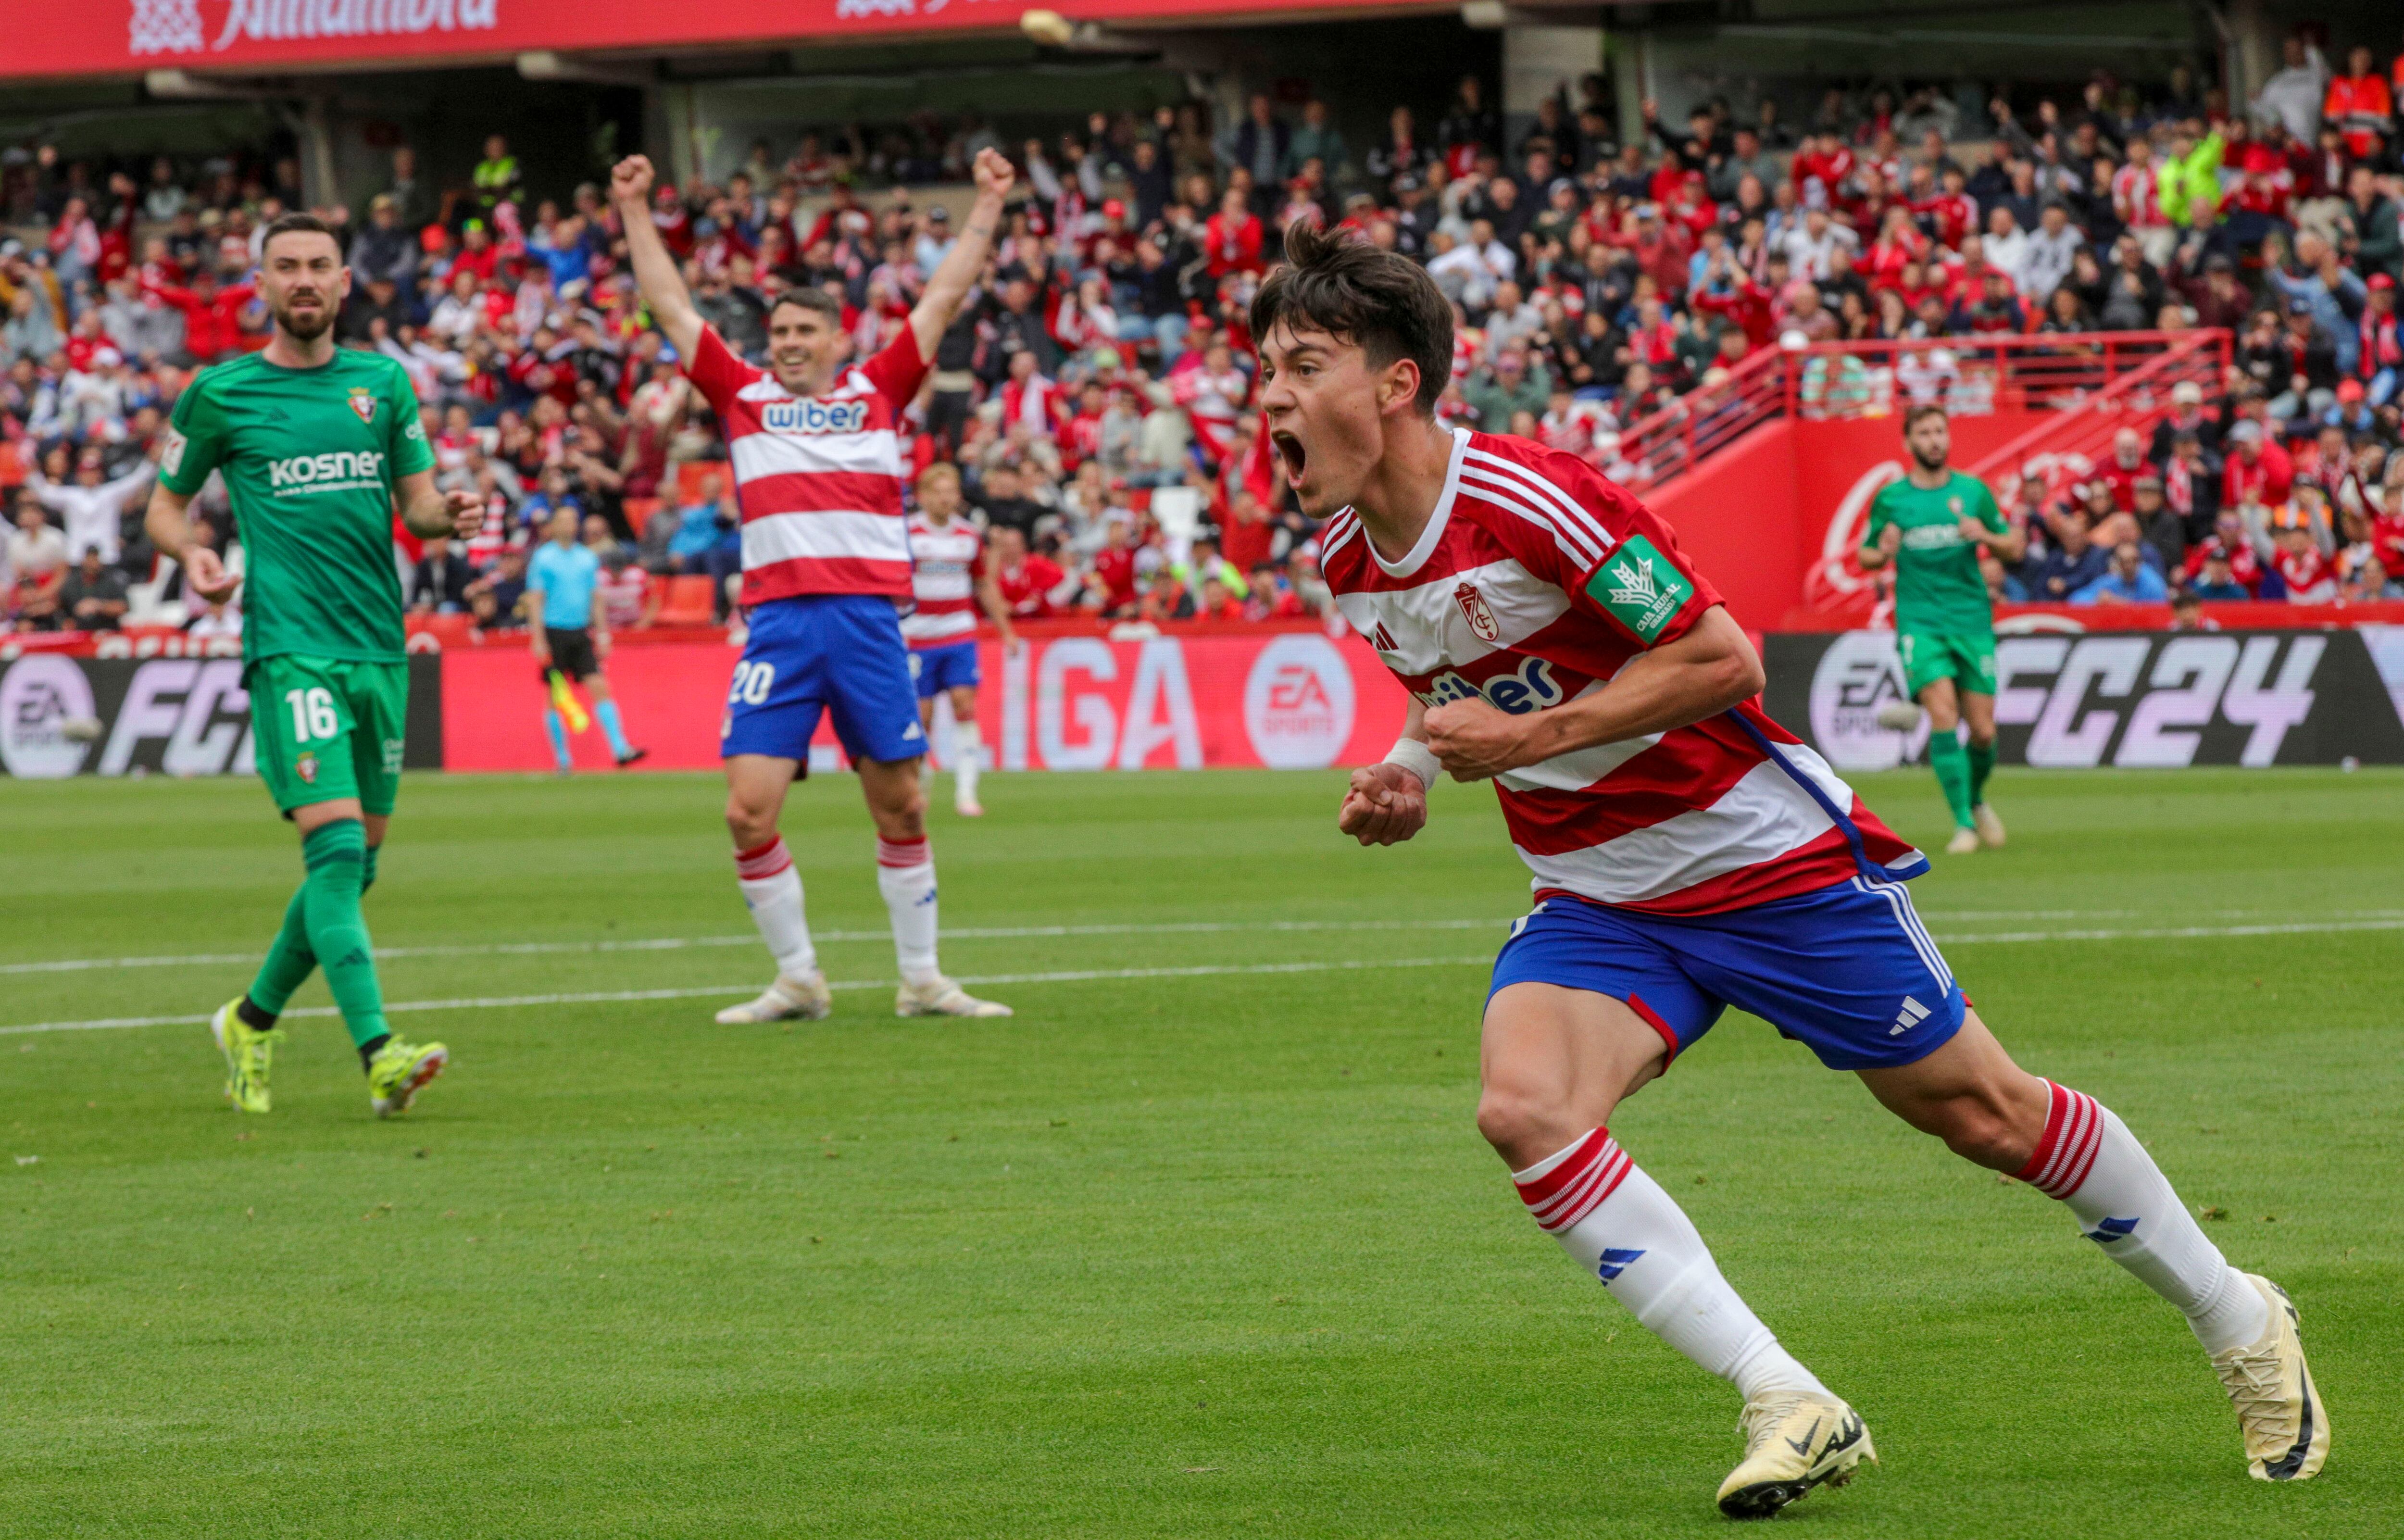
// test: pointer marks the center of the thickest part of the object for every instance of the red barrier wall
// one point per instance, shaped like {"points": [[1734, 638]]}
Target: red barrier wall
{"points": [[1290, 699]]}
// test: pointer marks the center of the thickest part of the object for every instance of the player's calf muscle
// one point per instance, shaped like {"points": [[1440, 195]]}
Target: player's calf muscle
{"points": [[1969, 1093]]}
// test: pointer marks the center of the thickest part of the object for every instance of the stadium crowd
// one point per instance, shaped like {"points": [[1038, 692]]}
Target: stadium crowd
{"points": [[1095, 392]]}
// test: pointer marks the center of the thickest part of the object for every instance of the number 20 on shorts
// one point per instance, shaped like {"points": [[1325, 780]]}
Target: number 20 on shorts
{"points": [[313, 713], [752, 683]]}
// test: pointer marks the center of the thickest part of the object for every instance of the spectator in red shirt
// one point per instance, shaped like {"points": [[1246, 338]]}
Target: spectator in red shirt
{"points": [[212, 315], [1232, 237], [2257, 471], [1028, 579], [1245, 534]]}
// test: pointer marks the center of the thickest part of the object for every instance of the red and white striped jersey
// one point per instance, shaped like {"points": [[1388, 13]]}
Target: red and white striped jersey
{"points": [[1535, 581], [817, 479], [947, 559]]}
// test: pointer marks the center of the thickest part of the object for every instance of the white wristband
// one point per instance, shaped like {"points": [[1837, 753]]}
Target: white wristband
{"points": [[1417, 757]]}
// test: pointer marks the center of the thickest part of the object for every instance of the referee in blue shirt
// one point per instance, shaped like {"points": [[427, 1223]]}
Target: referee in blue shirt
{"points": [[571, 635]]}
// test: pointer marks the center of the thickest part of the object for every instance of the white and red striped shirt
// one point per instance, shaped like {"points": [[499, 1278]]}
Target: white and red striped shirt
{"points": [[947, 559], [1535, 581], [817, 479]]}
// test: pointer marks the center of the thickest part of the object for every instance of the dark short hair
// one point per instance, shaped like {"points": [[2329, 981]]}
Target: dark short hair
{"points": [[1925, 408], [297, 224], [815, 300], [1335, 281]]}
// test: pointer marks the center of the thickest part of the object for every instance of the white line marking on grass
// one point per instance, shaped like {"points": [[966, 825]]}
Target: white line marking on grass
{"points": [[2181, 933], [1075, 975], [677, 943]]}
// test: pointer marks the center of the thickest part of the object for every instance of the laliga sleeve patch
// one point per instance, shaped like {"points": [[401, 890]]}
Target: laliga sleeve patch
{"points": [[1640, 588]]}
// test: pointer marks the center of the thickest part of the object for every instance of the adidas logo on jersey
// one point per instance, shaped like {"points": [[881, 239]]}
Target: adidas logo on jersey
{"points": [[1912, 1014], [813, 416]]}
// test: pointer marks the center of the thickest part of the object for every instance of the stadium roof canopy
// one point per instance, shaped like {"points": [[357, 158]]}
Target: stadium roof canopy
{"points": [[252, 37]]}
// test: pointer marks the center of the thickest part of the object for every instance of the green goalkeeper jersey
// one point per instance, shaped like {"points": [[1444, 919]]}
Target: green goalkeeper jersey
{"points": [[1938, 587], [310, 458]]}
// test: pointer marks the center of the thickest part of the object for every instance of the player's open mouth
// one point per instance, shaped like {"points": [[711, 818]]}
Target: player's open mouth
{"points": [[1289, 450]]}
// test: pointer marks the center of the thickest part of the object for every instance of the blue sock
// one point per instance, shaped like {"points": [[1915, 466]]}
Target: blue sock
{"points": [[558, 731], [605, 713]]}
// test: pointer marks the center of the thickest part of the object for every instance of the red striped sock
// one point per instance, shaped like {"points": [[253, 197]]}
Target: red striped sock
{"points": [[763, 861], [902, 852], [2074, 1131], [1560, 1195]]}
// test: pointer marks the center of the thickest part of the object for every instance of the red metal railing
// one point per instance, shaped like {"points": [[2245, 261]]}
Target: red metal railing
{"points": [[1969, 376], [2074, 443]]}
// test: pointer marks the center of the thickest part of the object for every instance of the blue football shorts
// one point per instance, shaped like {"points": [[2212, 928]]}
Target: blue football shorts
{"points": [[823, 654], [1849, 971], [936, 669]]}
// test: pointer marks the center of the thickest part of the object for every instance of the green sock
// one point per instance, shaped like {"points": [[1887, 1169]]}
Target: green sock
{"points": [[1982, 765], [289, 961], [336, 855], [1952, 762], [368, 863]]}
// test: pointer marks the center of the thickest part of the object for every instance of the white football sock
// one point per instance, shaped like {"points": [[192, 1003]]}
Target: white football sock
{"points": [[773, 888], [905, 875], [1619, 1227], [2095, 1165], [966, 742]]}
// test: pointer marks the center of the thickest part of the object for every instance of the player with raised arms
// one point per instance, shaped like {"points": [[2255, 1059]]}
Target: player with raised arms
{"points": [[317, 445], [816, 445], [1932, 524], [1689, 855]]}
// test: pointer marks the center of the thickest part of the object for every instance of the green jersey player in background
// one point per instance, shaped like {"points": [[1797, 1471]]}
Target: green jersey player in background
{"points": [[1932, 524], [317, 445]]}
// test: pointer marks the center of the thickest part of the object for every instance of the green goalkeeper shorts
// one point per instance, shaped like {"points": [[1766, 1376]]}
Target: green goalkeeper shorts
{"points": [[323, 729], [1966, 658]]}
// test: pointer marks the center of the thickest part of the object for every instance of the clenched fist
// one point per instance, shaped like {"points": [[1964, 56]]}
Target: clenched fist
{"points": [[1385, 805]]}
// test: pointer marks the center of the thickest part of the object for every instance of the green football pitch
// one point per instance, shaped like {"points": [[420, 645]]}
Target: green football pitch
{"points": [[1202, 1242]]}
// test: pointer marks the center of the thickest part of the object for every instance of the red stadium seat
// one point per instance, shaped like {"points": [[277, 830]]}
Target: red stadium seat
{"points": [[689, 602], [638, 513], [689, 474]]}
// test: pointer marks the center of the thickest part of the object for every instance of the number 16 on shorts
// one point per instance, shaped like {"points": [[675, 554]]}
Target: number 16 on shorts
{"points": [[313, 713]]}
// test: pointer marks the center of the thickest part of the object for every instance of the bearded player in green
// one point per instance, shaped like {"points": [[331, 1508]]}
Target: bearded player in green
{"points": [[317, 445], [1932, 524]]}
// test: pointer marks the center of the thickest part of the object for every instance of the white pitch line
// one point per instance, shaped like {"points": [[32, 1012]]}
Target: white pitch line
{"points": [[2181, 933], [676, 943], [1021, 932], [495, 1002]]}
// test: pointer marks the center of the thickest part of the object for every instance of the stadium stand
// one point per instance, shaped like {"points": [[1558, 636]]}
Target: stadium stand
{"points": [[2233, 269]]}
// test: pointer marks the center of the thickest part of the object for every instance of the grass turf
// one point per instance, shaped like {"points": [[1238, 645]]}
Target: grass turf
{"points": [[1207, 1254]]}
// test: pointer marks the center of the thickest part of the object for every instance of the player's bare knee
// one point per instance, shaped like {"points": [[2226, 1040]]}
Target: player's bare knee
{"points": [[752, 822], [1523, 1123]]}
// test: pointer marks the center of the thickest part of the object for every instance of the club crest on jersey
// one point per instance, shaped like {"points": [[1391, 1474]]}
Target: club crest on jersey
{"points": [[306, 768], [1481, 617], [813, 416], [1955, 504], [363, 401]]}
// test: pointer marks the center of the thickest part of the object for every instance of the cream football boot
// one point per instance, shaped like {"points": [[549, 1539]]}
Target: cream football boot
{"points": [[1990, 828], [941, 997], [1792, 1441], [2278, 1409], [787, 999]]}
